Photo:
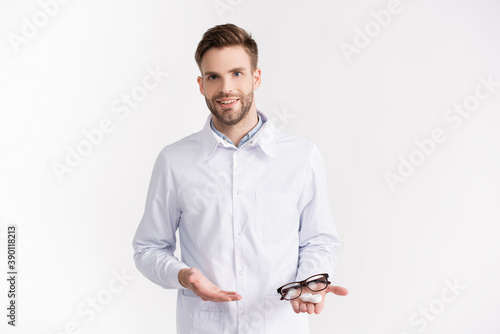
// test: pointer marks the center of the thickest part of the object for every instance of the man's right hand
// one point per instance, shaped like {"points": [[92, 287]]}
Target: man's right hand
{"points": [[193, 279]]}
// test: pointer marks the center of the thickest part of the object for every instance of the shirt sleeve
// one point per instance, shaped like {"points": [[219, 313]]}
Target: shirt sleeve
{"points": [[155, 241], [318, 237]]}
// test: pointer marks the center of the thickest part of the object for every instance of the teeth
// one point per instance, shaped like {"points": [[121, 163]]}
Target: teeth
{"points": [[227, 102]]}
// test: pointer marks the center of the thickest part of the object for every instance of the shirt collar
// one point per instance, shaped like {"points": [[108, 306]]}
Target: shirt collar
{"points": [[254, 129], [245, 138], [265, 138]]}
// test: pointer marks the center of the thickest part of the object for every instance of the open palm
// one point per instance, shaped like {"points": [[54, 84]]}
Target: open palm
{"points": [[205, 289], [300, 306]]}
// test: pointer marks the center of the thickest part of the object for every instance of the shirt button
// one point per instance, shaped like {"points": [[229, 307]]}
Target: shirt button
{"points": [[243, 313], [239, 233], [241, 273], [238, 192], [237, 152]]}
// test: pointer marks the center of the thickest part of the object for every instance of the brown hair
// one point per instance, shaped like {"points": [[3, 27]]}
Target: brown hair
{"points": [[227, 35]]}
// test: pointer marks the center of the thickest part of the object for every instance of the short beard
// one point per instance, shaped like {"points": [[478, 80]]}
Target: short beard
{"points": [[245, 102]]}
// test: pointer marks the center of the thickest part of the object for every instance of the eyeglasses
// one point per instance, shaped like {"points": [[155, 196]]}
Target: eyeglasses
{"points": [[314, 283]]}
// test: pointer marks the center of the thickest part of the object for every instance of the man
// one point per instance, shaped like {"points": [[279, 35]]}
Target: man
{"points": [[250, 203]]}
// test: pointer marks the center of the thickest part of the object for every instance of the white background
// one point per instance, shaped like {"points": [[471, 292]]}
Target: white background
{"points": [[402, 246]]}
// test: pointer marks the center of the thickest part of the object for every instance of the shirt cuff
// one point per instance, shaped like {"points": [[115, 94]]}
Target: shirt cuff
{"points": [[173, 274]]}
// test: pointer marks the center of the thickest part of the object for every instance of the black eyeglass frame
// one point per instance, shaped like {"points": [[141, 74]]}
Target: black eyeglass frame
{"points": [[303, 283]]}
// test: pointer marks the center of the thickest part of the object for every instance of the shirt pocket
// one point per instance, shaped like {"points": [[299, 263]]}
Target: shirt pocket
{"points": [[277, 214], [208, 317], [208, 322]]}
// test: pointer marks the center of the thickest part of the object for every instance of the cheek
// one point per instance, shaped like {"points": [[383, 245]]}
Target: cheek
{"points": [[209, 89], [209, 93], [244, 86], [251, 86], [247, 91]]}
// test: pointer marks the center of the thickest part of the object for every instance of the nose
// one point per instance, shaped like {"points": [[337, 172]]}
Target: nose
{"points": [[226, 86]]}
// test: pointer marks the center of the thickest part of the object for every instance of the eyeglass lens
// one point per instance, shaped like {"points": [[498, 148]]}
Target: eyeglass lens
{"points": [[294, 290], [291, 291], [316, 283]]}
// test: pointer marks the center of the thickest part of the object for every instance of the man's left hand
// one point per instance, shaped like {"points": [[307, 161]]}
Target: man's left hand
{"points": [[300, 306]]}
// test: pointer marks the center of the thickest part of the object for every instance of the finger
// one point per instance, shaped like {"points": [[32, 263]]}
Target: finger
{"points": [[223, 297], [295, 306], [235, 297], [338, 290], [232, 294], [310, 308], [216, 296], [303, 307], [319, 308]]}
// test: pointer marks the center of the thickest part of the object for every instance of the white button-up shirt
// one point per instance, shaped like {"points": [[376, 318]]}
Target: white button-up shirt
{"points": [[250, 219]]}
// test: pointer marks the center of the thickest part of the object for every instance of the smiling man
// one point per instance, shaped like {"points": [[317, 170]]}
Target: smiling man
{"points": [[251, 206], [230, 77]]}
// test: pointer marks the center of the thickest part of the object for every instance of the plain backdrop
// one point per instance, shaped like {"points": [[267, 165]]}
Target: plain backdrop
{"points": [[420, 256]]}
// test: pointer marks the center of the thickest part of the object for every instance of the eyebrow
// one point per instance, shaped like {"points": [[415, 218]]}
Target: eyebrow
{"points": [[236, 69]]}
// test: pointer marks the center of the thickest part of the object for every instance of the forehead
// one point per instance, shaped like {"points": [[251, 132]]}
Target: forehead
{"points": [[224, 59]]}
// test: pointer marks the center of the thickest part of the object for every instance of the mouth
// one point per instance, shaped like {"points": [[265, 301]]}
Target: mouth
{"points": [[228, 102]]}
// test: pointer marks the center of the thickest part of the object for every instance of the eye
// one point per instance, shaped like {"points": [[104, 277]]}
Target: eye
{"points": [[238, 74], [212, 77]]}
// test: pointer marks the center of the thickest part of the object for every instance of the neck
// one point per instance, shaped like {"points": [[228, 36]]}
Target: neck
{"points": [[237, 131]]}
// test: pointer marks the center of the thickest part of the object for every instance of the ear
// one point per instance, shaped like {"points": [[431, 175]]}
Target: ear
{"points": [[256, 78], [200, 83]]}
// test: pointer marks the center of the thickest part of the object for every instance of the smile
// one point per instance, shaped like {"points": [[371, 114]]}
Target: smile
{"points": [[227, 103]]}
